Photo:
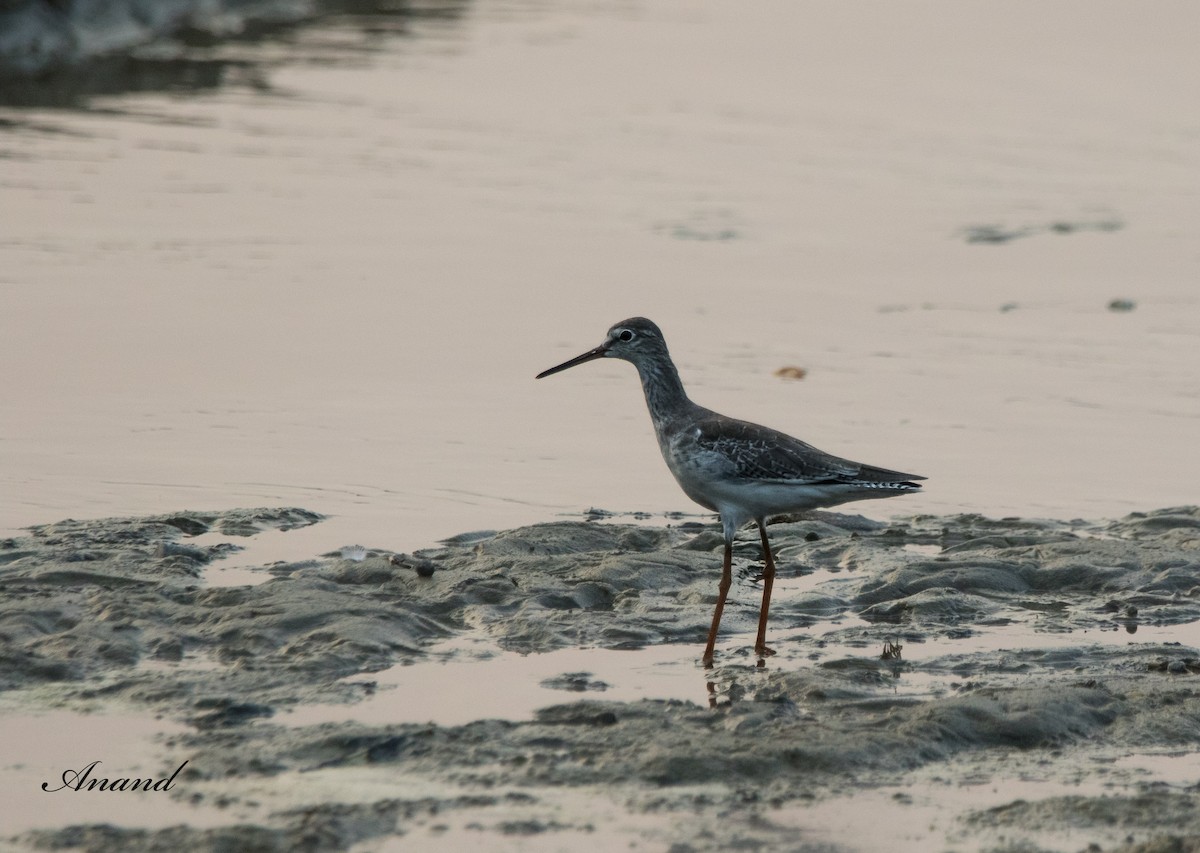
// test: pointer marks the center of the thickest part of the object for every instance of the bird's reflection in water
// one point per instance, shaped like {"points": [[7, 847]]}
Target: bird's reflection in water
{"points": [[724, 690]]}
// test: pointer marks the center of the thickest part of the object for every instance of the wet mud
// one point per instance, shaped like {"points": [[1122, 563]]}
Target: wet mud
{"points": [[952, 682]]}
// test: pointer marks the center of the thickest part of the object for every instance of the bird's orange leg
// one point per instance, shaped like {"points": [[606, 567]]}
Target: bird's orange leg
{"points": [[760, 644], [723, 591]]}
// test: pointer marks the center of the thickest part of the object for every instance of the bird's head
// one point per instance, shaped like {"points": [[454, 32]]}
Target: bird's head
{"points": [[637, 340]]}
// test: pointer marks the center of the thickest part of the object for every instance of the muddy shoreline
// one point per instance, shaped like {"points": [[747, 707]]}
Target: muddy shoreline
{"points": [[960, 682], [38, 37], [65, 55]]}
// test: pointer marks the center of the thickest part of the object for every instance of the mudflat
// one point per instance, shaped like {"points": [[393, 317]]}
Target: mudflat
{"points": [[939, 682]]}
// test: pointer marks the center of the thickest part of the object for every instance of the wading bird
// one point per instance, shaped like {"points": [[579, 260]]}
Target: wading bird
{"points": [[742, 471]]}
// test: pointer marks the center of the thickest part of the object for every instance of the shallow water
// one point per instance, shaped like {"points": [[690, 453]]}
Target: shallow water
{"points": [[322, 269], [128, 745], [445, 689]]}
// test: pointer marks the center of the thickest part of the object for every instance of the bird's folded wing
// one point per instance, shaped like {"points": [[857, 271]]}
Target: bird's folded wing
{"points": [[760, 453]]}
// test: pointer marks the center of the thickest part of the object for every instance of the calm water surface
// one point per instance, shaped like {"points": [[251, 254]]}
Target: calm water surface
{"points": [[323, 269]]}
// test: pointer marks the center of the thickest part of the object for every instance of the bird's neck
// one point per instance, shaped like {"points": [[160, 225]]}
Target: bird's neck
{"points": [[665, 396]]}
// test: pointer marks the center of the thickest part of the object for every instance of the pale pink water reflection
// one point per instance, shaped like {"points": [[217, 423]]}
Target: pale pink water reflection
{"points": [[335, 292]]}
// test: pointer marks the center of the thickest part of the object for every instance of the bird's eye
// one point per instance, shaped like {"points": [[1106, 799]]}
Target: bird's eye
{"points": [[625, 335]]}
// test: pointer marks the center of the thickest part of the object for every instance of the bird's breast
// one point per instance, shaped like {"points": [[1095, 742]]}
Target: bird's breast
{"points": [[698, 470]]}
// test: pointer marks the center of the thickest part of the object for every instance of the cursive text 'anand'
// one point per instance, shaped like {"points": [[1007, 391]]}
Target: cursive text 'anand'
{"points": [[84, 780]]}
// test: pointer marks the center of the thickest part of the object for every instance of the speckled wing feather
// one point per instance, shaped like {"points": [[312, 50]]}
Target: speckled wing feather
{"points": [[760, 453]]}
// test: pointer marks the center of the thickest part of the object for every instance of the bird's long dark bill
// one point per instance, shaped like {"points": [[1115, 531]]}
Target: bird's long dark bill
{"points": [[598, 352]]}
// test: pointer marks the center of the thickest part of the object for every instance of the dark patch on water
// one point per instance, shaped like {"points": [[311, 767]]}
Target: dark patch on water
{"points": [[187, 48], [1000, 234]]}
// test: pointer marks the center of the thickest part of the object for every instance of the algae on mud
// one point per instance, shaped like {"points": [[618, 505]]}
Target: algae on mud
{"points": [[1019, 653]]}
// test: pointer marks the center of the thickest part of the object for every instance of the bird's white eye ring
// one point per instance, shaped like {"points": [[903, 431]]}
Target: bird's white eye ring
{"points": [[625, 335]]}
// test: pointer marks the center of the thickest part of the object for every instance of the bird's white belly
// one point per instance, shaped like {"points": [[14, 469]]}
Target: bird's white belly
{"points": [[707, 478], [751, 499]]}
